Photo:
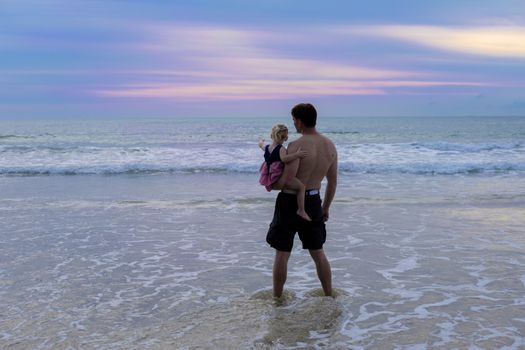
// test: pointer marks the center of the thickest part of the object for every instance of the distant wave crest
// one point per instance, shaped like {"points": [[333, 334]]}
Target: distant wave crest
{"points": [[5, 137], [13, 136], [468, 148], [344, 169]]}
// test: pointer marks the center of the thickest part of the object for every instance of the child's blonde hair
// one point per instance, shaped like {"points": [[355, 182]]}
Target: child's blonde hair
{"points": [[279, 133]]}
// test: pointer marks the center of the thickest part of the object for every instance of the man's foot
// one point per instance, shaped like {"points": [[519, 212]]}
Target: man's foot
{"points": [[303, 214]]}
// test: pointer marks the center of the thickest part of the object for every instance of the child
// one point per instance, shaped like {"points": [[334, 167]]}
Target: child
{"points": [[274, 156]]}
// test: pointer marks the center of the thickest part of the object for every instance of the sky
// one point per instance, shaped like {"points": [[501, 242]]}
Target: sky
{"points": [[189, 58]]}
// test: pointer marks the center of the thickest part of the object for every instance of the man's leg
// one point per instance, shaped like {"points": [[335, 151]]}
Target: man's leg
{"points": [[280, 270], [323, 270]]}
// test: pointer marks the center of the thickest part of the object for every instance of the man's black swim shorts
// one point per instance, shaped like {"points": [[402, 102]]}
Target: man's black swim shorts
{"points": [[286, 223]]}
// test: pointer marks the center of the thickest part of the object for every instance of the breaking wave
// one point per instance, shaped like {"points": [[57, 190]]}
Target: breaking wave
{"points": [[412, 158]]}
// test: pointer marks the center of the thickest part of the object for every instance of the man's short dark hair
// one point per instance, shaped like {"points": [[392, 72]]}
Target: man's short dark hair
{"points": [[306, 113]]}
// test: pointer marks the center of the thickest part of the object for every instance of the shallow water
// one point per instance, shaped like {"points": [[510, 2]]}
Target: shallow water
{"points": [[163, 262]]}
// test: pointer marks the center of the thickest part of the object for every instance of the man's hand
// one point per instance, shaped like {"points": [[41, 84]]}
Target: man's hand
{"points": [[326, 214]]}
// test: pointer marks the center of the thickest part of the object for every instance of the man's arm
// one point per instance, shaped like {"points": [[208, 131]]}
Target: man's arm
{"points": [[331, 179]]}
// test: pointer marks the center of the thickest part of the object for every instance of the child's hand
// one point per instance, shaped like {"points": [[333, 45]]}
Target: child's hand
{"points": [[261, 143], [301, 154]]}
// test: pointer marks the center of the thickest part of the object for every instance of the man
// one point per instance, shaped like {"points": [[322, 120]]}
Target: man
{"points": [[320, 162]]}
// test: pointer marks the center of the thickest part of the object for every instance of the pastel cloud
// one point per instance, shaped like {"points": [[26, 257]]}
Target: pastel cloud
{"points": [[232, 64], [495, 41], [200, 40], [271, 89]]}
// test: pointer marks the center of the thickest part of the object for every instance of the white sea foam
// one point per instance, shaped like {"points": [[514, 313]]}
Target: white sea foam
{"points": [[418, 158], [365, 315], [422, 310], [402, 266]]}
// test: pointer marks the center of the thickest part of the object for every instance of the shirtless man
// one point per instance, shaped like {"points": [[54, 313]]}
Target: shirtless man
{"points": [[321, 162]]}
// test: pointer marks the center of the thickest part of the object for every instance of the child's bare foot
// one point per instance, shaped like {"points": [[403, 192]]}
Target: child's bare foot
{"points": [[303, 214]]}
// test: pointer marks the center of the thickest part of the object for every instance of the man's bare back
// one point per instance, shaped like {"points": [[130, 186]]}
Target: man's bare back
{"points": [[321, 156]]}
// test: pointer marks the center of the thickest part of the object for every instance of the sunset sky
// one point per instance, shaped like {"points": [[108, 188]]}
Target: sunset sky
{"points": [[182, 58]]}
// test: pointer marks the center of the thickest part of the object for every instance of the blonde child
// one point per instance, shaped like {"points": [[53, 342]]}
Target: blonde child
{"points": [[275, 155]]}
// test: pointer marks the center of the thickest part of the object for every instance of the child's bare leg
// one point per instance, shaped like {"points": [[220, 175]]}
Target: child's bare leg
{"points": [[296, 185], [280, 184]]}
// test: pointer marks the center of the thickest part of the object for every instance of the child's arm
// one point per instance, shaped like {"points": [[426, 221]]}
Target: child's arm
{"points": [[287, 158], [261, 144]]}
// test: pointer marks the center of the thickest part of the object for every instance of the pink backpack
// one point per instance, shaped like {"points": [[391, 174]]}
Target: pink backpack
{"points": [[270, 176]]}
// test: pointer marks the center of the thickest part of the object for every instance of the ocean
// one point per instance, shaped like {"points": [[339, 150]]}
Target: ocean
{"points": [[150, 234], [366, 145]]}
